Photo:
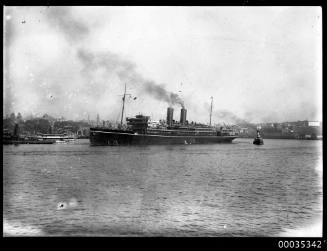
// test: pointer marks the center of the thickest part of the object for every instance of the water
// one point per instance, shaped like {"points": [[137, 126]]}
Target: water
{"points": [[237, 189]]}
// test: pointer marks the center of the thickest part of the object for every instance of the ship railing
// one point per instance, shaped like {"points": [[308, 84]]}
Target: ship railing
{"points": [[181, 132]]}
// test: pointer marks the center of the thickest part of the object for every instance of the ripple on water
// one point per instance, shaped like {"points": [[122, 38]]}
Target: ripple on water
{"points": [[193, 190]]}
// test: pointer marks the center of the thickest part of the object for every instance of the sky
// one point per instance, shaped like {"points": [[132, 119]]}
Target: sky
{"points": [[260, 64]]}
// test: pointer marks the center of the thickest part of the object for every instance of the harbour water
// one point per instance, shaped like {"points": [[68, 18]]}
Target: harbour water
{"points": [[236, 189]]}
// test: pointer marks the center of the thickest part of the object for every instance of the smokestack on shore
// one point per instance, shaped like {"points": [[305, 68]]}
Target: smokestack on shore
{"points": [[183, 116], [170, 113]]}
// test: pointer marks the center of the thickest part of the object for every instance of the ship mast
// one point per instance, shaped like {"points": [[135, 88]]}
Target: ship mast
{"points": [[211, 109], [122, 112], [124, 97]]}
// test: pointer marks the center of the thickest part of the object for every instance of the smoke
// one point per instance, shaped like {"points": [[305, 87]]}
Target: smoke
{"points": [[61, 17], [228, 117], [105, 65], [57, 71], [113, 65], [159, 92]]}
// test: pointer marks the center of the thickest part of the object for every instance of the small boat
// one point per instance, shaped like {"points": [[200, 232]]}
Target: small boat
{"points": [[258, 139]]}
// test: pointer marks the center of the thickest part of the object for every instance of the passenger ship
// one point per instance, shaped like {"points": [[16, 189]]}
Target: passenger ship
{"points": [[140, 131]]}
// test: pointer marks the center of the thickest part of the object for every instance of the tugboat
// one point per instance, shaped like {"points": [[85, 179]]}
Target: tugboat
{"points": [[258, 140]]}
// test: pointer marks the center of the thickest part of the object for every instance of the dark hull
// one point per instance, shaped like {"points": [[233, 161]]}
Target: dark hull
{"points": [[127, 138], [16, 142], [258, 141]]}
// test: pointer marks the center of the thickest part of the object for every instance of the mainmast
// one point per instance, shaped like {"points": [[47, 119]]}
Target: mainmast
{"points": [[211, 109], [122, 112]]}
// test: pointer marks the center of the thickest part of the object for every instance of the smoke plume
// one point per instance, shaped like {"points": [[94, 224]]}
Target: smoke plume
{"points": [[224, 116], [159, 92], [65, 75], [109, 64], [113, 64], [62, 18]]}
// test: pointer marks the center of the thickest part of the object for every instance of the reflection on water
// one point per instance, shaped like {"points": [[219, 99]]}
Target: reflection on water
{"points": [[237, 189]]}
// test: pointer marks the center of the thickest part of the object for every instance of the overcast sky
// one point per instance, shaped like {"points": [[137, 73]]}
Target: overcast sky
{"points": [[261, 64]]}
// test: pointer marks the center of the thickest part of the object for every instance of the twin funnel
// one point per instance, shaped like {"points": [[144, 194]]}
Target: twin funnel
{"points": [[170, 113]]}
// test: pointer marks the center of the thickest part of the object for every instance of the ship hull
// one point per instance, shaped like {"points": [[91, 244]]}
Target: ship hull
{"points": [[258, 141], [126, 138]]}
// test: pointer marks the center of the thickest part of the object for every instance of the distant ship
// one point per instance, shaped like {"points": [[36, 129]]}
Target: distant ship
{"points": [[140, 131], [58, 138], [16, 139]]}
